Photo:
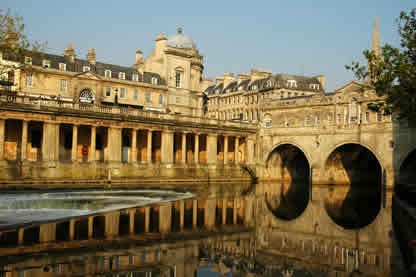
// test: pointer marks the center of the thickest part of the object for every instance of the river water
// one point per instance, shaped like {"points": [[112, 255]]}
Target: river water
{"points": [[228, 250]]}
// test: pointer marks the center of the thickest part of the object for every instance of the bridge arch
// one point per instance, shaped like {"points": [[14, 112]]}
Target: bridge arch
{"points": [[275, 146], [406, 164], [354, 175], [287, 175]]}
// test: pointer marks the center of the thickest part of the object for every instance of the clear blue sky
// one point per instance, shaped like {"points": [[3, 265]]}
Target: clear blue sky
{"points": [[295, 37]]}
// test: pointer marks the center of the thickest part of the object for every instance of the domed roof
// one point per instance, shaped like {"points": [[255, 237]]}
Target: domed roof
{"points": [[181, 40]]}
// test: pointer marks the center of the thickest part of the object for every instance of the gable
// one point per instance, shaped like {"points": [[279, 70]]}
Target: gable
{"points": [[88, 75]]}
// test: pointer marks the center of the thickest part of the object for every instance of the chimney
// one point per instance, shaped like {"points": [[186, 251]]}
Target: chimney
{"points": [[257, 74], [205, 83], [228, 79], [69, 54], [219, 80], [243, 76], [160, 44], [321, 79], [91, 56], [139, 57]]}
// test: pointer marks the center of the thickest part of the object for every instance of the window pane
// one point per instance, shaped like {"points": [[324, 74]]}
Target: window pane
{"points": [[108, 91]]}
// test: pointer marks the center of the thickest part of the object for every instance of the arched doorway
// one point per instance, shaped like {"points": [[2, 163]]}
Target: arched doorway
{"points": [[287, 192], [353, 199], [86, 96]]}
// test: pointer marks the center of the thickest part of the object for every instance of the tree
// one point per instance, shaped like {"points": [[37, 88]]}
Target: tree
{"points": [[14, 45], [392, 73]]}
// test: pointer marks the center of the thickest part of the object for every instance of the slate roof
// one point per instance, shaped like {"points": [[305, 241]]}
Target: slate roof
{"points": [[99, 68]]}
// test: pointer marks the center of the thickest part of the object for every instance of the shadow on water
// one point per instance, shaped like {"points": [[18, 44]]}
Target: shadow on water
{"points": [[289, 198], [353, 199]]}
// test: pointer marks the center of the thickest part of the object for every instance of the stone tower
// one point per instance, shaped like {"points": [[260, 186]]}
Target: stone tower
{"points": [[376, 39]]}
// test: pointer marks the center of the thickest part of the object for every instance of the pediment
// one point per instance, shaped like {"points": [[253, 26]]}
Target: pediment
{"points": [[88, 75], [352, 86]]}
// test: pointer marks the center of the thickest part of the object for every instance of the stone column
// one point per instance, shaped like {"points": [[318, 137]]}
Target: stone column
{"points": [[47, 232], [24, 140], [112, 222], [146, 219], [91, 153], [236, 144], [149, 146], [2, 135], [134, 146], [225, 149], [90, 226], [210, 209], [49, 141], [224, 211], [194, 213], [250, 150], [132, 214], [114, 144], [165, 217], [57, 139], [184, 148], [72, 229], [212, 150], [74, 154], [167, 147], [182, 213], [235, 211], [196, 151]]}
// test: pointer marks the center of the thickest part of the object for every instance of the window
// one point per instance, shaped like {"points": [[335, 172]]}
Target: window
{"points": [[154, 81], [314, 86], [107, 73], [379, 116], [46, 63], [178, 80], [107, 91], [160, 98], [122, 92], [29, 81], [122, 75], [148, 97], [135, 77], [291, 83], [286, 123], [240, 87], [86, 68], [269, 83], [136, 94], [63, 85], [317, 120], [62, 66], [28, 60], [367, 117], [253, 87]]}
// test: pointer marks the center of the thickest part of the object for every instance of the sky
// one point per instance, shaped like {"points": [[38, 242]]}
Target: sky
{"points": [[294, 37]]}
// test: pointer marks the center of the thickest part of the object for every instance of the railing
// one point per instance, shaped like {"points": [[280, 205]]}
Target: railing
{"points": [[45, 102]]}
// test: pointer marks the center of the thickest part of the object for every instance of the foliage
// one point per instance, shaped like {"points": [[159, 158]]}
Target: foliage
{"points": [[392, 74], [14, 45]]}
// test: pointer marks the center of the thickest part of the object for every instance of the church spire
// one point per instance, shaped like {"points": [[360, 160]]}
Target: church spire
{"points": [[376, 39]]}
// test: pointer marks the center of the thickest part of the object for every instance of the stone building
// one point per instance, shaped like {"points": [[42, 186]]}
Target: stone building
{"points": [[241, 99]]}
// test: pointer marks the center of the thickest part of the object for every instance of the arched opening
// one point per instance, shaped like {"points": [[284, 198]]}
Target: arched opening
{"points": [[86, 96], [287, 193], [407, 179], [353, 199]]}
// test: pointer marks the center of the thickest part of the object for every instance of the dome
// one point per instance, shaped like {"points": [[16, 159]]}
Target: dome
{"points": [[181, 40]]}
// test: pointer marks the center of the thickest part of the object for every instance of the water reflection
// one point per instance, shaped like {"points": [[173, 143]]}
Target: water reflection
{"points": [[287, 200]]}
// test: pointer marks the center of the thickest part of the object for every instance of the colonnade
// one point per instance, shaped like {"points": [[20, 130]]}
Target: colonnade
{"points": [[53, 141], [180, 215]]}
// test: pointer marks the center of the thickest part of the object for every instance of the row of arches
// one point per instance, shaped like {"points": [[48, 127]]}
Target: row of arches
{"points": [[354, 194]]}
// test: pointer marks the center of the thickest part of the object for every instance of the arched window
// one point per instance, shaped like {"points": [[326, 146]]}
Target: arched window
{"points": [[353, 110], [86, 96]]}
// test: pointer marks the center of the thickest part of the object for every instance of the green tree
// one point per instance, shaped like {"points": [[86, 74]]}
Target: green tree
{"points": [[14, 45], [392, 73]]}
